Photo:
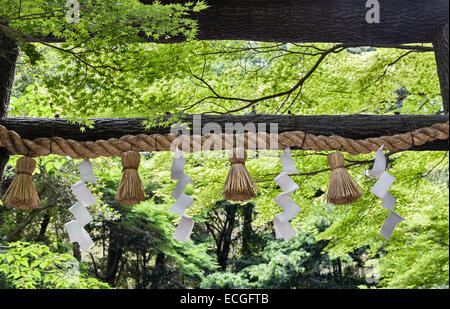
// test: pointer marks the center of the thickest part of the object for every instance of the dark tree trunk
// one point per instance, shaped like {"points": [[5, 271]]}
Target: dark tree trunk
{"points": [[350, 126], [158, 272], [223, 250], [160, 262], [114, 255], [76, 252], [8, 57], [247, 231], [339, 268], [441, 52], [44, 225]]}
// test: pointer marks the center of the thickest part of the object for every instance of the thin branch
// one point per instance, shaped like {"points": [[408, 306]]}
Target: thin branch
{"points": [[7, 247], [95, 266], [28, 220], [335, 49], [394, 62], [434, 167]]}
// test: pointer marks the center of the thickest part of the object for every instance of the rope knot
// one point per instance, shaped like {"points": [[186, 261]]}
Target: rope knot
{"points": [[336, 160], [238, 156], [131, 189], [130, 160], [25, 173]]}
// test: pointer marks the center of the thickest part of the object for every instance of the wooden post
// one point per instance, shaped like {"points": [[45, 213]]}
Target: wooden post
{"points": [[441, 54], [8, 56]]}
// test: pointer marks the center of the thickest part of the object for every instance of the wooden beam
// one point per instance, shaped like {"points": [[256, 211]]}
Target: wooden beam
{"points": [[441, 52], [336, 21], [350, 126], [343, 21]]}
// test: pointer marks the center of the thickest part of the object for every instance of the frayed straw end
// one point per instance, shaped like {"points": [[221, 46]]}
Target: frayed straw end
{"points": [[131, 189], [22, 194], [239, 185], [342, 189]]}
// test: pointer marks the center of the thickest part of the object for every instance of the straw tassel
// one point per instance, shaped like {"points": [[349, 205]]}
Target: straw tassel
{"points": [[342, 189], [131, 190], [239, 185], [22, 194]]}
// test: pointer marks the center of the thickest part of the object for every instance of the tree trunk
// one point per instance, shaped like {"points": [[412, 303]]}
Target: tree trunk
{"points": [[8, 56], [43, 229], [114, 255], [160, 262], [339, 268], [158, 271], [441, 52], [76, 251], [349, 126], [226, 236], [247, 231]]}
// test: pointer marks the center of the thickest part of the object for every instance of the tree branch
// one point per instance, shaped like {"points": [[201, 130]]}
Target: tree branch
{"points": [[335, 49]]}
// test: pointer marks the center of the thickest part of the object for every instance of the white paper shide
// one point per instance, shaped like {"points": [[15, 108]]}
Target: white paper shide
{"points": [[380, 189], [183, 201], [283, 228], [75, 228]]}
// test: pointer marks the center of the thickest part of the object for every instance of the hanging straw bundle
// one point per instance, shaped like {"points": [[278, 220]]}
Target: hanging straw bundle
{"points": [[22, 194], [342, 189], [131, 190], [239, 185]]}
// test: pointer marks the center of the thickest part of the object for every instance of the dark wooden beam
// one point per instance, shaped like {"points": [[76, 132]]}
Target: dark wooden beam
{"points": [[441, 52], [343, 21], [350, 126], [336, 21]]}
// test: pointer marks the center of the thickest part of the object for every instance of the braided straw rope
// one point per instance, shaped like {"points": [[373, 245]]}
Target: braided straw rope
{"points": [[14, 144]]}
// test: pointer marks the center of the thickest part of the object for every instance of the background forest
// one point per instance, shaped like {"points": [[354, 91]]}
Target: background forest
{"points": [[114, 73]]}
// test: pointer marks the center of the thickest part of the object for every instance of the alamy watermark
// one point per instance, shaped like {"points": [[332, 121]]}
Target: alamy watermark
{"points": [[73, 14], [230, 136], [373, 14]]}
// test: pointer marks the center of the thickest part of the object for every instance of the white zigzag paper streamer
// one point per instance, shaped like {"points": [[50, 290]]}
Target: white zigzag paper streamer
{"points": [[283, 228], [86, 171], [183, 201], [75, 228], [380, 189]]}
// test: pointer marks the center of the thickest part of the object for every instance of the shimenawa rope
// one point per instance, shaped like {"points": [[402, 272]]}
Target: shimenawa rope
{"points": [[14, 144]]}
